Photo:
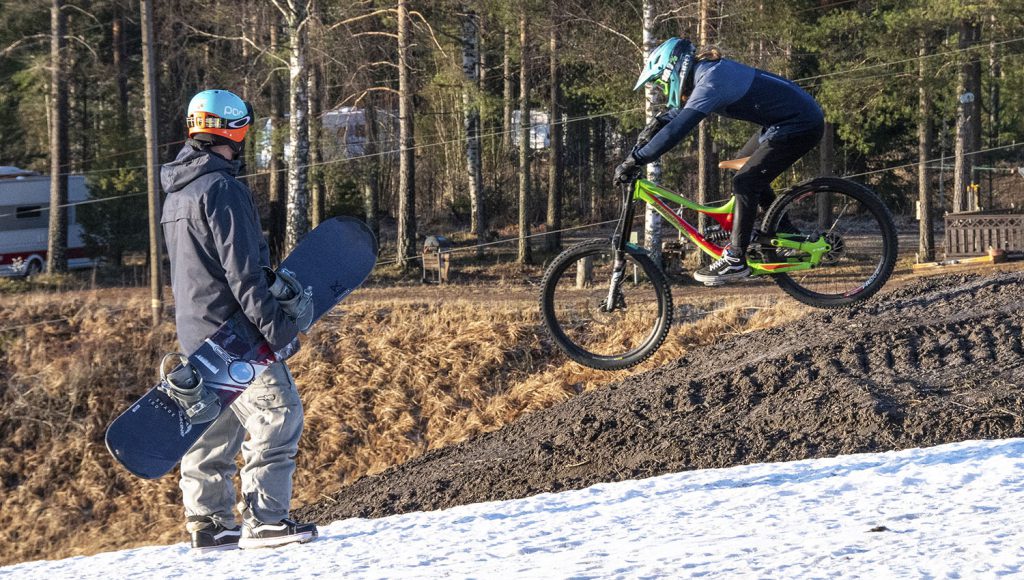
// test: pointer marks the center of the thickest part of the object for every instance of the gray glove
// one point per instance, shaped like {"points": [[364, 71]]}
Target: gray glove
{"points": [[296, 302]]}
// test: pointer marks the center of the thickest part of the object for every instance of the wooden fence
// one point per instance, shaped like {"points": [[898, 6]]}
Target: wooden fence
{"points": [[973, 233]]}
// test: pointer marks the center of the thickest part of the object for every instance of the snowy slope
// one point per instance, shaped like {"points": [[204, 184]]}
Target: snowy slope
{"points": [[950, 511]]}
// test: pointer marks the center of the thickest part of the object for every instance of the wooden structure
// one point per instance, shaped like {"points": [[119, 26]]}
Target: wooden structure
{"points": [[436, 260], [973, 233]]}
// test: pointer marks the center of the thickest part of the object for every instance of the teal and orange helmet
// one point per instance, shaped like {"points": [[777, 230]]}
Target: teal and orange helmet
{"points": [[220, 117], [670, 66]]}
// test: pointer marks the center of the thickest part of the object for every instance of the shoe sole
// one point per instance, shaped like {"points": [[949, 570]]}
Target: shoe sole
{"points": [[720, 280], [225, 547], [251, 543]]}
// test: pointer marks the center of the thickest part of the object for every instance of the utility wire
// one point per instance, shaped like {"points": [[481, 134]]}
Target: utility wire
{"points": [[539, 234], [505, 241], [355, 158], [943, 158], [978, 46], [394, 261], [561, 122]]}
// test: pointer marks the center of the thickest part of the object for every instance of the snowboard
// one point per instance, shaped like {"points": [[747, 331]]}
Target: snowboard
{"points": [[154, 433]]}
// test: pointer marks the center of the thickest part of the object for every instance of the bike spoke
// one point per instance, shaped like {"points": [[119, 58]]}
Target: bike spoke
{"points": [[579, 292], [855, 234]]}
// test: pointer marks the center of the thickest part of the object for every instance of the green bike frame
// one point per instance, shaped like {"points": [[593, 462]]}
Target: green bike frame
{"points": [[656, 197]]}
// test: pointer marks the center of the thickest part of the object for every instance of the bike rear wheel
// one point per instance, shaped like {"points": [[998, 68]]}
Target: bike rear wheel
{"points": [[574, 291], [857, 226]]}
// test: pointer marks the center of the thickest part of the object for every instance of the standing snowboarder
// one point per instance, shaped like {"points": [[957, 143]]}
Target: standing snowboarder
{"points": [[218, 265]]}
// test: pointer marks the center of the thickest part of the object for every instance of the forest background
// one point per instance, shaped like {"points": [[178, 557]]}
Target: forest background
{"points": [[406, 112]]}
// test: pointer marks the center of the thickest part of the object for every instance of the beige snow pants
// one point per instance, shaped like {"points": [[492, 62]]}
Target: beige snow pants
{"points": [[271, 413]]}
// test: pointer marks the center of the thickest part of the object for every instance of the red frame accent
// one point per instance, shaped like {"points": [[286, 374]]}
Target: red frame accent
{"points": [[710, 247], [723, 219]]}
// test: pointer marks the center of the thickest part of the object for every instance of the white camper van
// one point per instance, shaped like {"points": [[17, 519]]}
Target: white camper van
{"points": [[25, 219]]}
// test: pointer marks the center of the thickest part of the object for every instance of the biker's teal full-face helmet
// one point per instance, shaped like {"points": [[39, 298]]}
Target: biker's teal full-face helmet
{"points": [[670, 66]]}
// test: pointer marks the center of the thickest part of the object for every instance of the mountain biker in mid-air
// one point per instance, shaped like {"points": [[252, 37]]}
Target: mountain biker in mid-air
{"points": [[697, 85]]}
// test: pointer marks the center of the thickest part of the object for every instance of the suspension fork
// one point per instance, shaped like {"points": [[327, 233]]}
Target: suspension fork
{"points": [[619, 240]]}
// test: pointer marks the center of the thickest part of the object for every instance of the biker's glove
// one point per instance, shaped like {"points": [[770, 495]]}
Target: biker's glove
{"points": [[627, 171]]}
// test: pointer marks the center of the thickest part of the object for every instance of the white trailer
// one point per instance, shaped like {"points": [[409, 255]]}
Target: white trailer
{"points": [[25, 220]]}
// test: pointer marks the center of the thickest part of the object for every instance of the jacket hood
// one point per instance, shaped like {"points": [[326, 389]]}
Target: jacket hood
{"points": [[191, 164]]}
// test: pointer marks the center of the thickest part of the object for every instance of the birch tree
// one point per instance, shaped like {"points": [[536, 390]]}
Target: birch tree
{"points": [[706, 170], [371, 169], [276, 166], [652, 219], [296, 18], [506, 95], [406, 155], [471, 120]]}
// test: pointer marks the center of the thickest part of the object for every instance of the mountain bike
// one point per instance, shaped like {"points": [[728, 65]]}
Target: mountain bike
{"points": [[827, 242]]}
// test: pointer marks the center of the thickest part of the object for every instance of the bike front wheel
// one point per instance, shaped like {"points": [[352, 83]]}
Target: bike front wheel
{"points": [[574, 297], [858, 228]]}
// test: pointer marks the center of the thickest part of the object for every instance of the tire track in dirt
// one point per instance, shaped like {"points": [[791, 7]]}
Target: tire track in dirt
{"points": [[935, 361]]}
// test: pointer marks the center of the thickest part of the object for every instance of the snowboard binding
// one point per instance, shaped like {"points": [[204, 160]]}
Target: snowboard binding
{"points": [[185, 386]]}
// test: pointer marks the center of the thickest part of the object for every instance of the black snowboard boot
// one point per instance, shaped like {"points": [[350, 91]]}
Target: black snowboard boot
{"points": [[208, 535], [257, 534]]}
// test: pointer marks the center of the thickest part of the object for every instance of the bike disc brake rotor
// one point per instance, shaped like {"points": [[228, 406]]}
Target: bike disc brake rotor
{"points": [[838, 250]]}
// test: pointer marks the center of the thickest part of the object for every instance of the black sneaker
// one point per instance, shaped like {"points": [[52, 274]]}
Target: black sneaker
{"points": [[728, 268], [256, 534], [208, 535]]}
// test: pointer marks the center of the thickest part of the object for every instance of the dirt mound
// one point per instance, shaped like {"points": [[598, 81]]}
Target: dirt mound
{"points": [[936, 361], [401, 371]]}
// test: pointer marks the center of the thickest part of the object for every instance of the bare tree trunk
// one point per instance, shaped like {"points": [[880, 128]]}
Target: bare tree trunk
{"points": [[974, 114], [276, 167], [120, 69], [995, 73], [406, 155], [150, 81], [297, 212], [652, 219], [598, 160], [554, 215], [315, 87], [371, 167], [525, 256], [506, 119], [582, 142], [316, 174], [56, 254], [926, 226], [966, 122], [471, 116], [827, 169], [706, 169]]}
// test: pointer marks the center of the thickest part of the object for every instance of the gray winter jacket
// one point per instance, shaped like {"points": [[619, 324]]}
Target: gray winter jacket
{"points": [[213, 236]]}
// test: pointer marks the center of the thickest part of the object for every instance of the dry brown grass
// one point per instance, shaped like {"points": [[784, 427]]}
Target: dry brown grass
{"points": [[389, 378]]}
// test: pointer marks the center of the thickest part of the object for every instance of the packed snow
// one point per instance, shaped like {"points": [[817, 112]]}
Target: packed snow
{"points": [[950, 511]]}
